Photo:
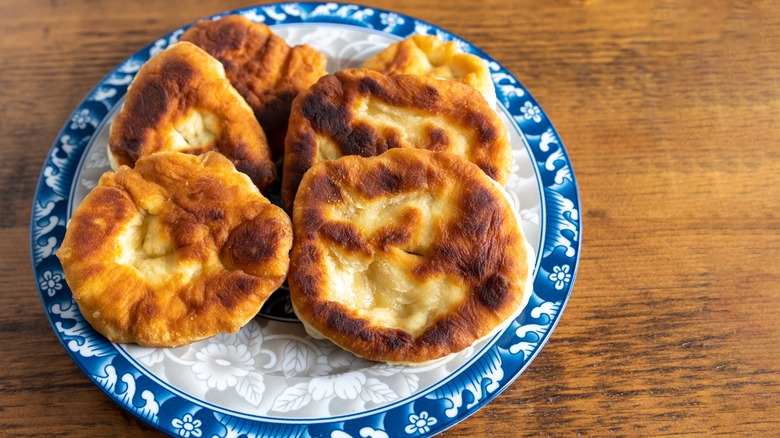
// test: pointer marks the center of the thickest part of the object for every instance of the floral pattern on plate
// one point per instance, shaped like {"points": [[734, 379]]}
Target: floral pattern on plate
{"points": [[271, 379]]}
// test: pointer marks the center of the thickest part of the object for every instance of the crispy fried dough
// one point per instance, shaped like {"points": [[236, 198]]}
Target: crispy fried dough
{"points": [[426, 55], [181, 101], [406, 257], [363, 112], [178, 249], [263, 68]]}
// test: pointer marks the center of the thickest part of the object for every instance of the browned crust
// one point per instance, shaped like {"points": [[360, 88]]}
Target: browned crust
{"points": [[478, 241], [167, 87], [266, 71], [427, 55], [326, 110], [411, 57], [212, 215]]}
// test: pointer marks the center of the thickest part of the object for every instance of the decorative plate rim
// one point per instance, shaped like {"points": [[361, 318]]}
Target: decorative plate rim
{"points": [[470, 389]]}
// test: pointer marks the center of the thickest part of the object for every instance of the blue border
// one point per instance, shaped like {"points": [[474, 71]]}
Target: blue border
{"points": [[427, 413]]}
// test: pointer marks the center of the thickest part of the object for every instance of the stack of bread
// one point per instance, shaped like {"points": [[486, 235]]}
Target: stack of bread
{"points": [[402, 247]]}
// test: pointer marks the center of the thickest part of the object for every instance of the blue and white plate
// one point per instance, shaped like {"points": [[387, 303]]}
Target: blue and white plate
{"points": [[271, 379]]}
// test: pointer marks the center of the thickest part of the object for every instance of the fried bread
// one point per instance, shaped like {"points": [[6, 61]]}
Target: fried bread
{"points": [[363, 112], [406, 257], [180, 100], [177, 249], [264, 69], [427, 55]]}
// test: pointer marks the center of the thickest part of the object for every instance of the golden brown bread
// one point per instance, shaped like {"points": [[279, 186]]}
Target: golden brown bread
{"points": [[181, 101], [426, 55], [266, 71], [178, 249], [405, 257], [362, 112]]}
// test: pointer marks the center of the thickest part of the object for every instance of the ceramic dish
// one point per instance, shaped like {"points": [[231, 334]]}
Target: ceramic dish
{"points": [[271, 379]]}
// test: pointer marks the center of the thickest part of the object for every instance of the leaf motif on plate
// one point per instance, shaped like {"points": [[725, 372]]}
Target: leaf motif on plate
{"points": [[413, 381], [96, 160], [293, 398], [251, 335], [295, 358], [377, 392], [150, 356], [251, 387]]}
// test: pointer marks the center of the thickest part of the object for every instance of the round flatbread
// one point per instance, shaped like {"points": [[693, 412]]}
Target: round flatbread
{"points": [[406, 257], [181, 101], [427, 55], [363, 112], [177, 249], [266, 71]]}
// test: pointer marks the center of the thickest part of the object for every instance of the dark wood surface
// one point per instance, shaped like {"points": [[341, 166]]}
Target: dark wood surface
{"points": [[670, 111]]}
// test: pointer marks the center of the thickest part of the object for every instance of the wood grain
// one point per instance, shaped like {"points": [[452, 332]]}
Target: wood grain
{"points": [[669, 112]]}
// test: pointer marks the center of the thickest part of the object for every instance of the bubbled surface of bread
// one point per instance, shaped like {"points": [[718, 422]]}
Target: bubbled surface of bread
{"points": [[406, 257], [178, 249], [264, 69], [363, 112], [180, 100], [426, 55]]}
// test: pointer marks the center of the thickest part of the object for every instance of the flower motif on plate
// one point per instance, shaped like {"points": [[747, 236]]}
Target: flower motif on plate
{"points": [[186, 426], [420, 424]]}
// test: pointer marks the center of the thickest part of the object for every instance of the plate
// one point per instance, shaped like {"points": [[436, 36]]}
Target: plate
{"points": [[271, 379]]}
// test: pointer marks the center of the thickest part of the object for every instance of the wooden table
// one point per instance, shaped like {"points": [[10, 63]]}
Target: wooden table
{"points": [[670, 112]]}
